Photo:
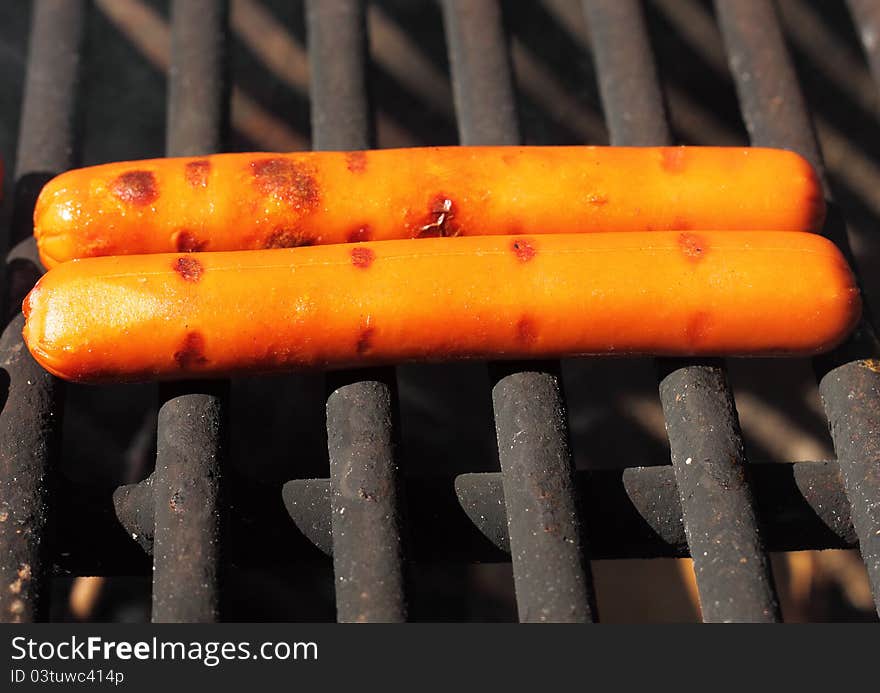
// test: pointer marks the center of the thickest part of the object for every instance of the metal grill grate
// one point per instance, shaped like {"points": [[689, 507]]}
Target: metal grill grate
{"points": [[710, 504]]}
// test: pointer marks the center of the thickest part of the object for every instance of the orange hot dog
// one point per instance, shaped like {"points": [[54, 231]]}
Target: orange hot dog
{"points": [[662, 293], [256, 201]]}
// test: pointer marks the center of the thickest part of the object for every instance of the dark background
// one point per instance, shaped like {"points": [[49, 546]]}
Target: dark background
{"points": [[615, 417]]}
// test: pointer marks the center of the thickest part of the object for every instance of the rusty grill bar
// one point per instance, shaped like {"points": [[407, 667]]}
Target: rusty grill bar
{"points": [[709, 504]]}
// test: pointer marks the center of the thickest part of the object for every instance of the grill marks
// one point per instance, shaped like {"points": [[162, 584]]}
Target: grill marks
{"points": [[696, 328], [362, 257], [288, 238], [294, 184], [137, 188], [673, 159], [187, 242], [286, 180], [526, 331], [189, 269], [692, 246], [360, 234], [365, 340], [356, 162], [196, 173], [523, 249], [192, 351]]}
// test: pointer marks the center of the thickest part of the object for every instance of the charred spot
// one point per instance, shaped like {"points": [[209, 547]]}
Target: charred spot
{"points": [[187, 242], [693, 247], [523, 250], [440, 219], [288, 238], [598, 199], [673, 159], [286, 180], [696, 328], [365, 340], [192, 351], [188, 268], [356, 162], [136, 187], [360, 234], [196, 173], [526, 330], [362, 257]]}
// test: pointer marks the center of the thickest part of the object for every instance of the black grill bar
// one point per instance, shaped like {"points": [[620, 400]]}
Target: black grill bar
{"points": [[770, 97], [361, 405], [482, 85], [849, 378], [198, 87], [337, 43], [30, 422], [551, 574], [633, 512], [866, 14], [631, 97], [189, 467], [730, 563], [192, 416]]}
